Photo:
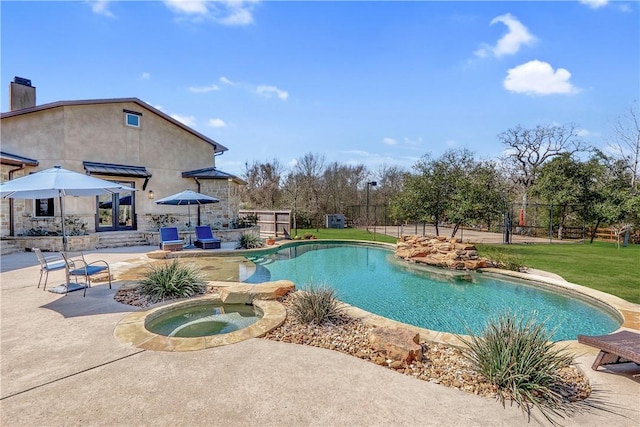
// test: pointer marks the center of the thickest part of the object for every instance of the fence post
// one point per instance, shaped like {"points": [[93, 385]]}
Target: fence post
{"points": [[550, 223]]}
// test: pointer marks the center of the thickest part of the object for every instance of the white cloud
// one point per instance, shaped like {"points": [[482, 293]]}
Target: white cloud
{"points": [[188, 7], [217, 123], [237, 14], [389, 141], [203, 89], [538, 78], [101, 7], [144, 76], [595, 4], [269, 91], [226, 81], [186, 120], [511, 42], [225, 12]]}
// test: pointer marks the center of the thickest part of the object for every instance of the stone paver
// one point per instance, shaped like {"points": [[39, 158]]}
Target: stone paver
{"points": [[62, 365]]}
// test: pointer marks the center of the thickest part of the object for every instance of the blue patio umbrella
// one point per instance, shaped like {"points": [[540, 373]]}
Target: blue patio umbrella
{"points": [[187, 197]]}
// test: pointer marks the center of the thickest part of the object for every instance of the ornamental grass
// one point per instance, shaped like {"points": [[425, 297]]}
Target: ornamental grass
{"points": [[316, 304], [249, 241], [516, 355], [166, 281]]}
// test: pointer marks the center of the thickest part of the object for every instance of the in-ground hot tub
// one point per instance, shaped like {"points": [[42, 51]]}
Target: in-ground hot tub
{"points": [[226, 328], [201, 318]]}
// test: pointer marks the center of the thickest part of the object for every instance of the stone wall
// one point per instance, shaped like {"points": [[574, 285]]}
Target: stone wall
{"points": [[439, 251], [54, 243]]}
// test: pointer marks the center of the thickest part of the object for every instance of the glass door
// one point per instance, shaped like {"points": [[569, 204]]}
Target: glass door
{"points": [[116, 211]]}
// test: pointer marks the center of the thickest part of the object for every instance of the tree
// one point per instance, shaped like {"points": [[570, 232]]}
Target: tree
{"points": [[341, 184], [308, 170], [565, 183], [626, 143], [478, 196], [390, 181], [618, 206], [528, 149], [263, 184], [428, 193]]}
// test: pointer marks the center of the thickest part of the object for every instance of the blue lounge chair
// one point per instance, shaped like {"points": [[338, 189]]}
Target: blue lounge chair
{"points": [[170, 239], [205, 238]]}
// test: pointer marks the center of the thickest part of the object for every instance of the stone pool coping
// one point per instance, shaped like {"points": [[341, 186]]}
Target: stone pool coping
{"points": [[628, 313], [131, 329]]}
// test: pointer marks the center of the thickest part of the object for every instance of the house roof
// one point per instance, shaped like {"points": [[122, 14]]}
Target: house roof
{"points": [[213, 173], [217, 147], [14, 159], [116, 170]]}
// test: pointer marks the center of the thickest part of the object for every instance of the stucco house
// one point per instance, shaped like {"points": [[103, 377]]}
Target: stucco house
{"points": [[124, 140]]}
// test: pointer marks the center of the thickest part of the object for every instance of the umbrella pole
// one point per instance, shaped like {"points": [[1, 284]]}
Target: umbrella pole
{"points": [[189, 213], [64, 235]]}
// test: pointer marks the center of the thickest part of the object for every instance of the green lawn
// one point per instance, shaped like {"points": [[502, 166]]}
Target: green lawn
{"points": [[600, 265]]}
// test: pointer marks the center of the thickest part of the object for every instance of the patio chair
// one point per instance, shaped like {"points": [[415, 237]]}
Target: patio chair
{"points": [[79, 267], [620, 347], [170, 239], [47, 264], [205, 238]]}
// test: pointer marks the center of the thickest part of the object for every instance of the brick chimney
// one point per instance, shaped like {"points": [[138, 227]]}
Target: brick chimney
{"points": [[21, 94]]}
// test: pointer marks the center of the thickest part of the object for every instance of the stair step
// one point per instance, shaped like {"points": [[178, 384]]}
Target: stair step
{"points": [[121, 239], [9, 247]]}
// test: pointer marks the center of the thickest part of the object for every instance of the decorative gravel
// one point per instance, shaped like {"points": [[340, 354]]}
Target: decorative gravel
{"points": [[440, 364]]}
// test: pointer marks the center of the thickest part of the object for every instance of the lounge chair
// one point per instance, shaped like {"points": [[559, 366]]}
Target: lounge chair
{"points": [[620, 347], [170, 240], [47, 264], [79, 267], [205, 238]]}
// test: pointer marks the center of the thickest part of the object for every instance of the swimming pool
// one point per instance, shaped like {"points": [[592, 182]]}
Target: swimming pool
{"points": [[368, 277]]}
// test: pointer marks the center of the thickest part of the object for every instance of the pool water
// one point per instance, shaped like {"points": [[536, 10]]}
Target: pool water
{"points": [[203, 320], [367, 277]]}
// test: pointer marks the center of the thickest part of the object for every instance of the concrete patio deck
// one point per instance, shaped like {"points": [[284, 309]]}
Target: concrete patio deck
{"points": [[61, 365]]}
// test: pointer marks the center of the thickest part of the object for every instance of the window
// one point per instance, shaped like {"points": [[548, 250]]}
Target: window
{"points": [[132, 118], [43, 207]]}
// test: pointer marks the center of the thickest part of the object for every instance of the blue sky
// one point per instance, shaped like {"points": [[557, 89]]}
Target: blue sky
{"points": [[378, 83]]}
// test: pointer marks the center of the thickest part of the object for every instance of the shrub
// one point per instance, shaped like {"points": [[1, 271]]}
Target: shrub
{"points": [[515, 354], [249, 241], [162, 220], [167, 281], [504, 260], [316, 305], [308, 236], [75, 226]]}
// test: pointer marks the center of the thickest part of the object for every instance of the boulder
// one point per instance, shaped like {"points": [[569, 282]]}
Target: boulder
{"points": [[475, 264], [245, 294], [398, 344]]}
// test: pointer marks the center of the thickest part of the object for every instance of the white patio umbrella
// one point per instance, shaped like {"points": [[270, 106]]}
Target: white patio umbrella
{"points": [[188, 198], [58, 182]]}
